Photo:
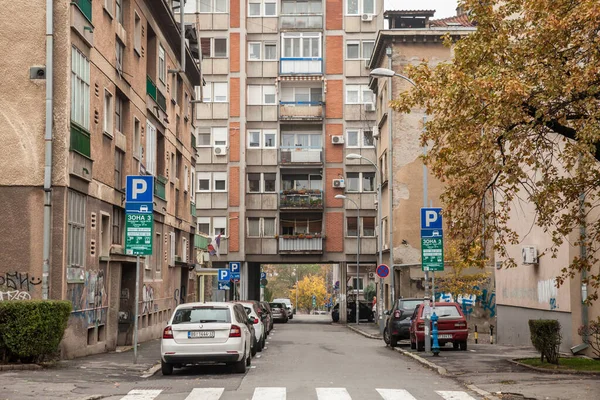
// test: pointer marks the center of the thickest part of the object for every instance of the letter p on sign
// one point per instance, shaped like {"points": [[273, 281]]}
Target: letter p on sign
{"points": [[431, 218], [139, 187]]}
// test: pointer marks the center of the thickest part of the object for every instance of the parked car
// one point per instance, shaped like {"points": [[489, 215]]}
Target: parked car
{"points": [[365, 312], [260, 332], [397, 324], [266, 309], [288, 305], [279, 311], [452, 326], [207, 332]]}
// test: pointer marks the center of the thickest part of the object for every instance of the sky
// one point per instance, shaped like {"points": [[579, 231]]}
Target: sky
{"points": [[443, 8]]}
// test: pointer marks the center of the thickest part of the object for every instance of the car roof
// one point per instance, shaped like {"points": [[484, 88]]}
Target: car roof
{"points": [[207, 304]]}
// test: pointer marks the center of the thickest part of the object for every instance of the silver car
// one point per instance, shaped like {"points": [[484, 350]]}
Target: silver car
{"points": [[207, 332], [279, 311]]}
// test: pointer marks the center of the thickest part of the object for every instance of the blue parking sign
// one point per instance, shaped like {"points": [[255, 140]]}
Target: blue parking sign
{"points": [[224, 275], [234, 266], [139, 189], [431, 218]]}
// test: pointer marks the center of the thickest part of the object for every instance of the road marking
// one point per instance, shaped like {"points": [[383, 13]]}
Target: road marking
{"points": [[205, 394], [139, 394], [450, 395], [269, 393], [395, 394], [333, 394]]}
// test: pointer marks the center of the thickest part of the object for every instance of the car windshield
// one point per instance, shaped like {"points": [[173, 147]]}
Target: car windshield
{"points": [[276, 305], [201, 315], [409, 304], [447, 311]]}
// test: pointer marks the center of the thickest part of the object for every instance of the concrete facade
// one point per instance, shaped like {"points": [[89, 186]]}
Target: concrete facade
{"points": [[111, 85]]}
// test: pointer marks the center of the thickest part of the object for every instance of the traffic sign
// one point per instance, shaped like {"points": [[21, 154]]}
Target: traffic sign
{"points": [[224, 286], [432, 233], [138, 234], [263, 275], [432, 254], [234, 266], [235, 276], [431, 218], [224, 275], [139, 208], [264, 282], [139, 189], [383, 271]]}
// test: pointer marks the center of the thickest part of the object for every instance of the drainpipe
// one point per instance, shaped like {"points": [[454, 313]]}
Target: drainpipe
{"points": [[182, 27], [391, 178], [48, 148]]}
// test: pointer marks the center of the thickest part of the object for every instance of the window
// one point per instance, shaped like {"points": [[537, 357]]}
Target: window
{"points": [[261, 182], [367, 227], [162, 64], [383, 164], [213, 47], [136, 138], [186, 178], [253, 227], [104, 237], [117, 227], [253, 183], [108, 6], [356, 7], [174, 87], [302, 140], [265, 138], [76, 243], [359, 50], [301, 182], [254, 139], [269, 182], [151, 145], [305, 45], [261, 227], [219, 136], [119, 155], [220, 181], [269, 138], [192, 181], [258, 51], [80, 89], [204, 225], [351, 226], [119, 123], [359, 94], [360, 283], [203, 137], [270, 51], [107, 125], [213, 6], [204, 181], [264, 8], [119, 11], [215, 92], [119, 50], [300, 7], [269, 227], [360, 182], [220, 226], [137, 34], [261, 95], [254, 50], [359, 138], [310, 95]]}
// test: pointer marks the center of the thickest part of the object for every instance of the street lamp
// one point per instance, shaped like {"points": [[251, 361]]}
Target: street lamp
{"points": [[388, 73], [354, 156], [341, 196]]}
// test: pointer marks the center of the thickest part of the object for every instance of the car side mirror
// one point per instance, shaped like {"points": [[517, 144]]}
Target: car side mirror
{"points": [[386, 312], [251, 320]]}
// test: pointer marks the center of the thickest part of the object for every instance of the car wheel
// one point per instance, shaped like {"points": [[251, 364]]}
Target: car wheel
{"points": [[393, 341], [264, 342], [258, 345], [240, 366], [386, 336], [413, 345], [420, 346], [166, 368], [463, 345], [455, 345], [291, 317], [253, 349], [248, 360]]}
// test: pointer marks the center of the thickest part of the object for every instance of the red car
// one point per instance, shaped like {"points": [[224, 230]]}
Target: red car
{"points": [[452, 326]]}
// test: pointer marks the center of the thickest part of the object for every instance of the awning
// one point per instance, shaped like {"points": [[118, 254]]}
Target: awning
{"points": [[303, 78]]}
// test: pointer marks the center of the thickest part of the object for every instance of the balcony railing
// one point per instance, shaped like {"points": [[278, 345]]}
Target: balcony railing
{"points": [[201, 242], [86, 8], [301, 199], [301, 110], [160, 184], [301, 21], [298, 244], [193, 142], [301, 66], [153, 92], [193, 208], [300, 155], [80, 140]]}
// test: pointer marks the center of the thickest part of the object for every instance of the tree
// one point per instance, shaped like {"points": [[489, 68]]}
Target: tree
{"points": [[516, 121], [281, 278], [307, 287], [455, 281]]}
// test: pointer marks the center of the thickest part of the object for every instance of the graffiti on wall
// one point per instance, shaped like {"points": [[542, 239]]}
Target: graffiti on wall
{"points": [[545, 293], [147, 299], [17, 285], [14, 295], [486, 301], [89, 298]]}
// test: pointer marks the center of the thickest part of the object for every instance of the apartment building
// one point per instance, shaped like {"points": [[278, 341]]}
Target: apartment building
{"points": [[286, 99], [118, 103]]}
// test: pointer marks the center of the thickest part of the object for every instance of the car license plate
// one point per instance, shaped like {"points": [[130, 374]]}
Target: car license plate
{"points": [[201, 334], [444, 336]]}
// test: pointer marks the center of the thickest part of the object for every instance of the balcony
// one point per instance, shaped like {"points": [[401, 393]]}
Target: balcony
{"points": [[301, 110], [301, 21], [300, 155], [201, 242], [80, 140], [192, 208], [300, 244], [160, 183], [311, 199], [156, 95], [86, 8], [301, 66]]}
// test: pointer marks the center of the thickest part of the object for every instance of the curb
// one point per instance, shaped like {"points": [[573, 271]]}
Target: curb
{"points": [[368, 335], [443, 372], [555, 371], [19, 367], [150, 371]]}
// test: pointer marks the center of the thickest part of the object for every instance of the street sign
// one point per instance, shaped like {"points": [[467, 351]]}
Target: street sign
{"points": [[235, 266], [139, 189], [139, 208], [235, 276], [314, 301], [264, 282], [138, 234], [383, 271], [431, 218], [432, 233], [263, 275], [224, 275], [224, 286], [432, 254]]}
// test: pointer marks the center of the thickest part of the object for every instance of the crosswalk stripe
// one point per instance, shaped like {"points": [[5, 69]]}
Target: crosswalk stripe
{"points": [[450, 395], [205, 394], [395, 394], [269, 393], [333, 394], [142, 394]]}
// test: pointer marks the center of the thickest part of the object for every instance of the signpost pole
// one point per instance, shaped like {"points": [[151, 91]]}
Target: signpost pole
{"points": [[137, 305]]}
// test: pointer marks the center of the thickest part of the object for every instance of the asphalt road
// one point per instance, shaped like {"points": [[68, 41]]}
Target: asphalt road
{"points": [[306, 359]]}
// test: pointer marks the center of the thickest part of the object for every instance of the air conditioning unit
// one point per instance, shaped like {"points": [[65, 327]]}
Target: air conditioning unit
{"points": [[529, 254], [376, 132], [371, 275], [337, 139], [370, 107], [367, 17], [220, 150], [339, 183]]}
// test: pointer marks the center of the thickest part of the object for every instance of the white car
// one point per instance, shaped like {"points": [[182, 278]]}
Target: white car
{"points": [[288, 305], [207, 332], [260, 333]]}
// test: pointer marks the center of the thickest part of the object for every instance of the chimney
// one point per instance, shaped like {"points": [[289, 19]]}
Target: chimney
{"points": [[460, 10]]}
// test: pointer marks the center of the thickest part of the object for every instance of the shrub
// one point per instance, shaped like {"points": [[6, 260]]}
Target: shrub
{"points": [[546, 338], [590, 334], [32, 330]]}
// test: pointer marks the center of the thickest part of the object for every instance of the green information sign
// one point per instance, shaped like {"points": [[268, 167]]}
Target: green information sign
{"points": [[432, 254], [138, 234]]}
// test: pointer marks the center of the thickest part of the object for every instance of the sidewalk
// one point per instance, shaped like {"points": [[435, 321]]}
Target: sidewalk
{"points": [[488, 367]]}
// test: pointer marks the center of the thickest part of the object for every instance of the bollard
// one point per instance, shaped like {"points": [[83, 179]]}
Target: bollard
{"points": [[434, 333], [476, 334], [491, 334]]}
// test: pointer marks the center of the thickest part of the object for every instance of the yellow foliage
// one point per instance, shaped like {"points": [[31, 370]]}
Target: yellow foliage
{"points": [[455, 281], [307, 287]]}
